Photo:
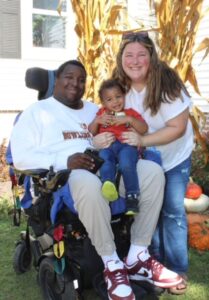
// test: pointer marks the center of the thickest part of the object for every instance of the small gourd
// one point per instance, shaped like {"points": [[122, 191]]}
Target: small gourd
{"points": [[193, 191]]}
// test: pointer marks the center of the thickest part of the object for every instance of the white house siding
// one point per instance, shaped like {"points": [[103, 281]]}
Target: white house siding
{"points": [[14, 96], [202, 74], [140, 14], [202, 67]]}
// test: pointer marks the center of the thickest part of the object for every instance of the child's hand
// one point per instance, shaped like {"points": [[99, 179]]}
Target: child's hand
{"points": [[106, 119]]}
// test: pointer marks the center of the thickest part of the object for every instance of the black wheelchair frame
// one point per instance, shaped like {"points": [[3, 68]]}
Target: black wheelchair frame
{"points": [[83, 267]]}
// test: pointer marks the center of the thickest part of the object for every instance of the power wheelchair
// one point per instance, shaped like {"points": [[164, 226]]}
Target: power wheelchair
{"points": [[55, 240]]}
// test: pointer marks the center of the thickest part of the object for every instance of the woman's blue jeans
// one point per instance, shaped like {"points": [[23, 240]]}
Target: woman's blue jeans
{"points": [[169, 244], [122, 157]]}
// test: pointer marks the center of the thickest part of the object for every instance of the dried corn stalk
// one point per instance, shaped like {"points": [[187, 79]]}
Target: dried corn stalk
{"points": [[178, 22], [98, 24]]}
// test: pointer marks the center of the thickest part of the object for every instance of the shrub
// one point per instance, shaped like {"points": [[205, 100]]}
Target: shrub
{"points": [[6, 207]]}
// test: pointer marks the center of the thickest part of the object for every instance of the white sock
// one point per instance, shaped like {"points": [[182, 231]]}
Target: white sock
{"points": [[137, 252], [107, 258]]}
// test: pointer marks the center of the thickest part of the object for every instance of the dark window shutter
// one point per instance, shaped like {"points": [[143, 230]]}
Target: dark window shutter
{"points": [[10, 42]]}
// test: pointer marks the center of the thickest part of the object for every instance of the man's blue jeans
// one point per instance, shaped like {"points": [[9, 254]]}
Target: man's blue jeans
{"points": [[169, 244], [122, 157]]}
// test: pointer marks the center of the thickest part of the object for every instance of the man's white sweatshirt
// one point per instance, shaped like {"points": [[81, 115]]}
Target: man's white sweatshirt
{"points": [[48, 131]]}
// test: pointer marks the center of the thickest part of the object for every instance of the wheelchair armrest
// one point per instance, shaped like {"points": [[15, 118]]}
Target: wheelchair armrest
{"points": [[59, 179], [35, 173], [49, 180]]}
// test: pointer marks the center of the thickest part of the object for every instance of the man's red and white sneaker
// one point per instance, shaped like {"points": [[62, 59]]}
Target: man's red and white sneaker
{"points": [[116, 278], [154, 272]]}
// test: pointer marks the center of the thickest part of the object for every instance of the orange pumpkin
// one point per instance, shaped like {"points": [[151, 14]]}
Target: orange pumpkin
{"points": [[193, 191], [199, 236]]}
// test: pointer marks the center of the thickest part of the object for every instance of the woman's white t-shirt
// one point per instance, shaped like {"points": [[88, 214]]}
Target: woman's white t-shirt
{"points": [[175, 152]]}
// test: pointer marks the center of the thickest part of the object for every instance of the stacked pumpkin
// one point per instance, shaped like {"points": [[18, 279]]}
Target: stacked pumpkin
{"points": [[196, 202]]}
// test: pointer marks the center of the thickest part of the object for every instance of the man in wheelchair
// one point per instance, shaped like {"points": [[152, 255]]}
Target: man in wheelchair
{"points": [[54, 132]]}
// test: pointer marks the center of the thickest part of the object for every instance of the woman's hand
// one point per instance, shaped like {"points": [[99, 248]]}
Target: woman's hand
{"points": [[173, 130], [103, 140], [132, 138]]}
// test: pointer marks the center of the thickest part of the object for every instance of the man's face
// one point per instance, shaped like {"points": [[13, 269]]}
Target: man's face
{"points": [[70, 86]]}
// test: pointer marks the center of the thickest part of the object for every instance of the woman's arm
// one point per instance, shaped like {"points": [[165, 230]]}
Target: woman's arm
{"points": [[140, 126], [174, 129]]}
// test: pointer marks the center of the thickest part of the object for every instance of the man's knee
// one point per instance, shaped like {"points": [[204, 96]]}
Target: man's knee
{"points": [[150, 171], [82, 181]]}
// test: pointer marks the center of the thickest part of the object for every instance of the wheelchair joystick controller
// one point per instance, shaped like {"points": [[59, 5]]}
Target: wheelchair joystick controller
{"points": [[51, 173]]}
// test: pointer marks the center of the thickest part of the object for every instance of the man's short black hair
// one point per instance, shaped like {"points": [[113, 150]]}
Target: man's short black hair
{"points": [[69, 62]]}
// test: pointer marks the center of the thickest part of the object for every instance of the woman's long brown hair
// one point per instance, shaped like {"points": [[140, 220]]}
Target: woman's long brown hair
{"points": [[163, 83]]}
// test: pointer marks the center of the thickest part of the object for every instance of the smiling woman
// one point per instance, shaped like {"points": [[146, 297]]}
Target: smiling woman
{"points": [[156, 92]]}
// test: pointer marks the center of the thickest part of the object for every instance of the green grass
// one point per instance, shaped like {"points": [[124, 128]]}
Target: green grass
{"points": [[14, 287], [24, 286], [198, 288]]}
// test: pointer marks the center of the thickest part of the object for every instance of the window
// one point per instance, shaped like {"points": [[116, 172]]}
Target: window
{"points": [[48, 4], [45, 34], [49, 29]]}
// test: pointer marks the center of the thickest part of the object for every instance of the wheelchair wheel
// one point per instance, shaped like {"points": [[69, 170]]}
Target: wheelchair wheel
{"points": [[22, 258], [54, 286]]}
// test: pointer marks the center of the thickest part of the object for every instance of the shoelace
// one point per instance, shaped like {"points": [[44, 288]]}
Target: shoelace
{"points": [[119, 277], [154, 265]]}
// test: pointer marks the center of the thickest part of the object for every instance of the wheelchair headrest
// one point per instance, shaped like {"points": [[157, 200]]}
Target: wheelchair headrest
{"points": [[41, 80]]}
